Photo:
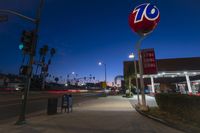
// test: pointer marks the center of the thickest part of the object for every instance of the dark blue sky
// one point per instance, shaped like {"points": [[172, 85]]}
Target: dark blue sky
{"points": [[85, 32]]}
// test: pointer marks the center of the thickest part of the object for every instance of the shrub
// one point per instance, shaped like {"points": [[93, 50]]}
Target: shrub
{"points": [[185, 106]]}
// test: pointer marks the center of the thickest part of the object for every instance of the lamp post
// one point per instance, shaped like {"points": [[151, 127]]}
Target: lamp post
{"points": [[132, 56], [73, 77], [100, 64]]}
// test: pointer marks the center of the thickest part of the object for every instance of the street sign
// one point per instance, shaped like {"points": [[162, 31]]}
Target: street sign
{"points": [[149, 61], [3, 18], [103, 85]]}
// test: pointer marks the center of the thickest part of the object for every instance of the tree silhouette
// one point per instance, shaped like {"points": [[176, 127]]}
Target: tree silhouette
{"points": [[42, 53], [56, 79], [52, 53]]}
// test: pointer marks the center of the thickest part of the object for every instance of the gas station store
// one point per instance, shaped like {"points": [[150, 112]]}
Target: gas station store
{"points": [[176, 75]]}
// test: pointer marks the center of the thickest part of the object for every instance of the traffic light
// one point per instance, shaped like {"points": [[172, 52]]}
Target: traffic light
{"points": [[25, 70], [27, 39]]}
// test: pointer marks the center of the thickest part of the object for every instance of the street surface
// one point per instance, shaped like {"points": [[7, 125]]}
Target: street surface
{"points": [[112, 114], [10, 104]]}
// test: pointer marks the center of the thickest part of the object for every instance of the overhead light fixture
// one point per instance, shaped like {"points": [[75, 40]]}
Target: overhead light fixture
{"points": [[131, 56], [163, 73], [185, 72], [194, 73]]}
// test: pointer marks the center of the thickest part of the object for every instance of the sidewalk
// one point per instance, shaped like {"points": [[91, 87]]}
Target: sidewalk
{"points": [[150, 100], [112, 114]]}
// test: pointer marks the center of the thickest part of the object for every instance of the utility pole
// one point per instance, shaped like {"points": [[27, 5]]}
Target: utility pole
{"points": [[132, 56], [105, 70], [105, 73]]}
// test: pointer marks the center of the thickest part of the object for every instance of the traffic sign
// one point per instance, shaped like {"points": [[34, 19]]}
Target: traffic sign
{"points": [[104, 85], [3, 18]]}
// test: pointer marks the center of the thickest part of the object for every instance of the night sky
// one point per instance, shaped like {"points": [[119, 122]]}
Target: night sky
{"points": [[85, 32]]}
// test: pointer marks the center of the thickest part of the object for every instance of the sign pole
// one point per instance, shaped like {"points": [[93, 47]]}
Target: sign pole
{"points": [[144, 106], [143, 20], [137, 47]]}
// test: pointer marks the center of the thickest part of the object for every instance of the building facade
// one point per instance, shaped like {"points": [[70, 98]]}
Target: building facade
{"points": [[180, 75]]}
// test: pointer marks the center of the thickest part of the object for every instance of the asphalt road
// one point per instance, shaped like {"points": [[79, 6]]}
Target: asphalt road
{"points": [[10, 104]]}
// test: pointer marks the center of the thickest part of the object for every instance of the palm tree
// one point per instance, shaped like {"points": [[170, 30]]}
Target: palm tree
{"points": [[45, 50], [52, 53], [40, 58], [56, 79], [42, 52]]}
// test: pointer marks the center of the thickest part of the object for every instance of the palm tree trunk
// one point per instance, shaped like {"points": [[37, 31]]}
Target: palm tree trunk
{"points": [[38, 65]]}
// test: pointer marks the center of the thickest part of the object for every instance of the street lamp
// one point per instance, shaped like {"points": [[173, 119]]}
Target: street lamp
{"points": [[132, 56], [100, 64], [71, 77]]}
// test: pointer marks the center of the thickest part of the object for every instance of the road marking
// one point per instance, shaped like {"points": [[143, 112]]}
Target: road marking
{"points": [[14, 104]]}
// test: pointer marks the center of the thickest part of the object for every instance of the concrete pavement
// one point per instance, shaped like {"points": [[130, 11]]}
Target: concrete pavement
{"points": [[150, 100], [112, 114]]}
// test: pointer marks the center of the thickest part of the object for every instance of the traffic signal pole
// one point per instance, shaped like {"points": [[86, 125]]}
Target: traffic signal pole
{"points": [[18, 14], [22, 118], [31, 59]]}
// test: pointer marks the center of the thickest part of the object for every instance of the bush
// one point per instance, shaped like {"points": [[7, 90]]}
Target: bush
{"points": [[185, 106]]}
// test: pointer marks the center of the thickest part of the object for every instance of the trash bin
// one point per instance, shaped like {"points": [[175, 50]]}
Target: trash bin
{"points": [[52, 106]]}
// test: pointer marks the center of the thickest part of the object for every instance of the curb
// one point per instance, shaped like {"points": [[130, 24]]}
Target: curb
{"points": [[161, 121], [152, 117]]}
